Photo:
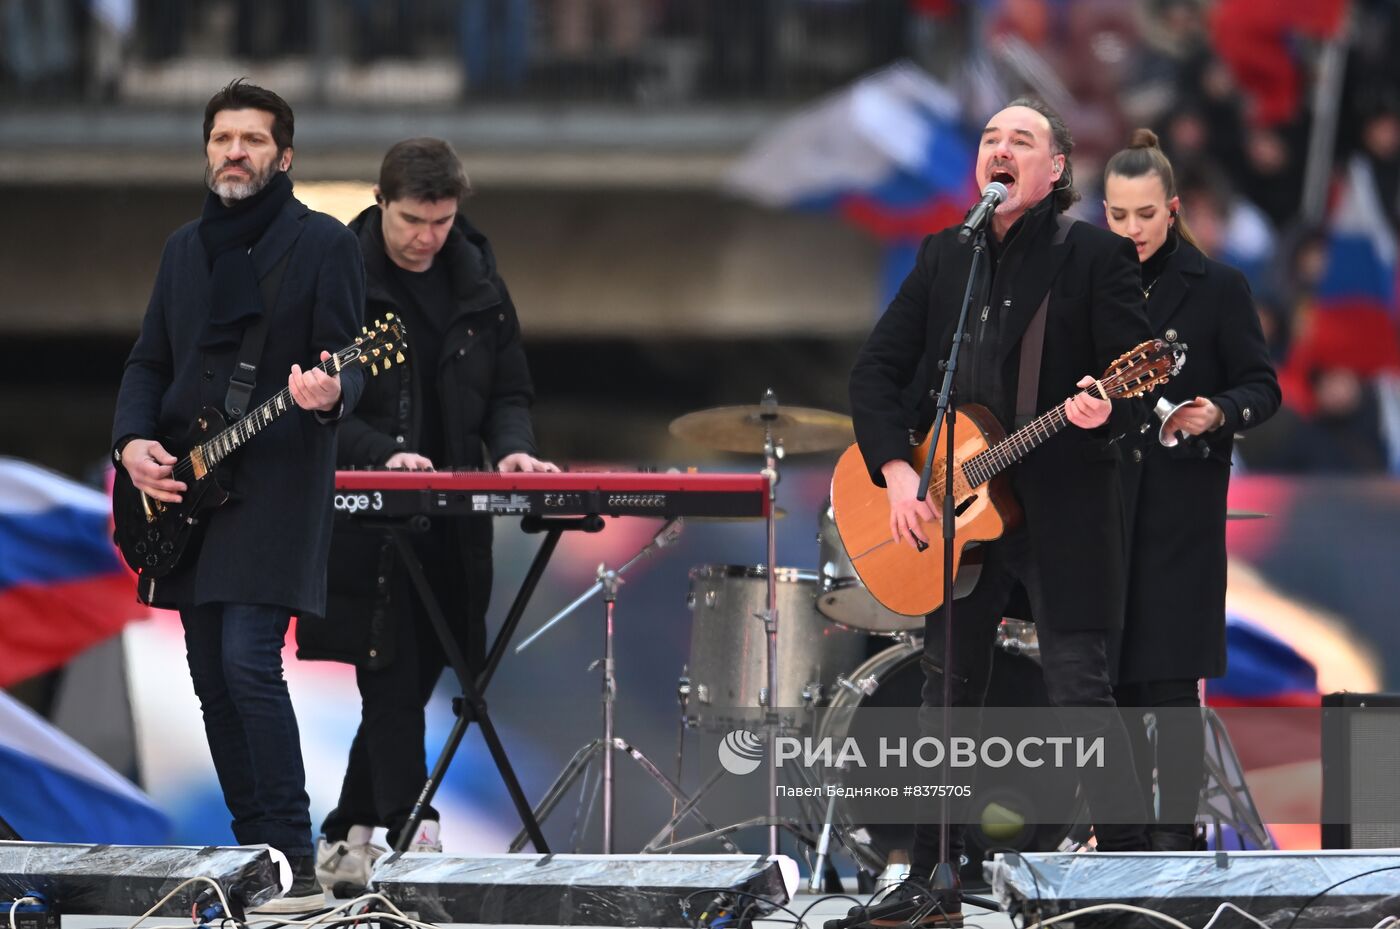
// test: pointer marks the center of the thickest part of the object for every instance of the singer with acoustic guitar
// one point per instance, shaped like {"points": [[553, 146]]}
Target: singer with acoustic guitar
{"points": [[1067, 549]]}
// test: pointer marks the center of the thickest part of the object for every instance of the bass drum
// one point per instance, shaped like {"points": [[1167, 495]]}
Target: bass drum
{"points": [[729, 646], [895, 678]]}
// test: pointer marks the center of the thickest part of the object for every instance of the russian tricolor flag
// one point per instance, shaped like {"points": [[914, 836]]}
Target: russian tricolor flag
{"points": [[63, 587], [1352, 322], [54, 790], [887, 154], [1263, 670]]}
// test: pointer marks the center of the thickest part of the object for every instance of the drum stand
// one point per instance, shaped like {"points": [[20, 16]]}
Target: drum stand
{"points": [[664, 840], [1225, 797], [608, 582]]}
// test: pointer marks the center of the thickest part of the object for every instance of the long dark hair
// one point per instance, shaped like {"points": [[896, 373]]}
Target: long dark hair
{"points": [[1145, 156]]}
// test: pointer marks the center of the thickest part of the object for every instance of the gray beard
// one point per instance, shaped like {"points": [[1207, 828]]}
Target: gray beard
{"points": [[233, 191]]}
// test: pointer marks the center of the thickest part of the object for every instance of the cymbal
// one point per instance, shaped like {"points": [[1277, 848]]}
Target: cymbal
{"points": [[740, 429], [1245, 514]]}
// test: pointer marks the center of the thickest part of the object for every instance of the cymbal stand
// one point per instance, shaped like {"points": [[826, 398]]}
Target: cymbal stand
{"points": [[772, 454], [608, 583], [772, 725]]}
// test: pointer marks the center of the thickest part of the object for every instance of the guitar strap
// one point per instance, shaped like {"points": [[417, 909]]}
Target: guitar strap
{"points": [[1033, 342], [245, 370]]}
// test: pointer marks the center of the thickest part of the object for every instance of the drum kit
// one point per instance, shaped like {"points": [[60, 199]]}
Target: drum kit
{"points": [[769, 644], [826, 622], [775, 643]]}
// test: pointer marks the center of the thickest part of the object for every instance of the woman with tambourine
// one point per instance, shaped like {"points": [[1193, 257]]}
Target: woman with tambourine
{"points": [[1176, 480]]}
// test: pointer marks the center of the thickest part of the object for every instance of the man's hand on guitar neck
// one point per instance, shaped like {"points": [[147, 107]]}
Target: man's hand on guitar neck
{"points": [[907, 511], [314, 389], [151, 469], [1086, 410]]}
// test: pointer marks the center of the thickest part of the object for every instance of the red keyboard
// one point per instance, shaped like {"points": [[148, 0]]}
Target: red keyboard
{"points": [[574, 493]]}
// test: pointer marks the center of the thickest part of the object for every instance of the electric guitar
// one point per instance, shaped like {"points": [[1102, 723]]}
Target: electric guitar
{"points": [[910, 581], [152, 535]]}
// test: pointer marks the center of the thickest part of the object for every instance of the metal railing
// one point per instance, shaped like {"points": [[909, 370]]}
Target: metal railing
{"points": [[447, 52]]}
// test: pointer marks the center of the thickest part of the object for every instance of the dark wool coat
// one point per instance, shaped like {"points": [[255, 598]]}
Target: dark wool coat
{"points": [[269, 543], [1069, 487], [1175, 621], [485, 392]]}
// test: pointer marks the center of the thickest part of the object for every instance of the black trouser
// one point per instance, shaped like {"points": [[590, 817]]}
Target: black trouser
{"points": [[1075, 666], [388, 765], [1181, 738]]}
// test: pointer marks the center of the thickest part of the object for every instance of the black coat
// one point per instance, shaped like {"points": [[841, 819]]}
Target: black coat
{"points": [[485, 393], [1069, 487], [1175, 626], [269, 544]]}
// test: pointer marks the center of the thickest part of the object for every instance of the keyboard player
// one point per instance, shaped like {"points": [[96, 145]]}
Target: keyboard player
{"points": [[462, 399]]}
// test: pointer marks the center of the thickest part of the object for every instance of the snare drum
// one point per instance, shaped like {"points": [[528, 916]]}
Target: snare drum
{"points": [[729, 646]]}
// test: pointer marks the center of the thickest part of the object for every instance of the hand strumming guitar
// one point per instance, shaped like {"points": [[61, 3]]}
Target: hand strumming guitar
{"points": [[151, 469], [906, 509]]}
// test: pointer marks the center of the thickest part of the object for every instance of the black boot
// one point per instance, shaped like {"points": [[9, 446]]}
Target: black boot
{"points": [[920, 906]]}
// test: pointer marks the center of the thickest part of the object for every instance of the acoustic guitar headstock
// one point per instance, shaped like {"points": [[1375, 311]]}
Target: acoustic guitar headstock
{"points": [[1143, 368]]}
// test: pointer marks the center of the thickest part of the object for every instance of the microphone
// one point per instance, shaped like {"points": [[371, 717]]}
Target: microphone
{"points": [[993, 195]]}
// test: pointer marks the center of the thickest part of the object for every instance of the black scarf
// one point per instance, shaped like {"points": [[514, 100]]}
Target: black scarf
{"points": [[228, 232]]}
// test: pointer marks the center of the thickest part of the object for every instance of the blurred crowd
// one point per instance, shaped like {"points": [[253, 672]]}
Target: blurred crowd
{"points": [[1280, 115], [662, 50]]}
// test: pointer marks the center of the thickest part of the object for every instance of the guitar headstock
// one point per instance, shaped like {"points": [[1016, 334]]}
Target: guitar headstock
{"points": [[381, 342], [1144, 368]]}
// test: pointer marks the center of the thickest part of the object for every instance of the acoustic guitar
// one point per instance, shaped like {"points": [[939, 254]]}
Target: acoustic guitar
{"points": [[910, 581], [154, 536]]}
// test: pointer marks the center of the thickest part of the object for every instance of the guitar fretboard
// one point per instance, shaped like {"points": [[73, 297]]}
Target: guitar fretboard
{"points": [[986, 465]]}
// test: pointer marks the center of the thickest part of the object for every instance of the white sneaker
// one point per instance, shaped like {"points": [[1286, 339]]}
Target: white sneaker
{"points": [[428, 838], [350, 861]]}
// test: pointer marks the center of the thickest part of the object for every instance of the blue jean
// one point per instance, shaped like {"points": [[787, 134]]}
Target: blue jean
{"points": [[495, 42], [235, 658]]}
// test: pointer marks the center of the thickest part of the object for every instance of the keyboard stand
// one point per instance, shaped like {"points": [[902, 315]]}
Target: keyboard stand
{"points": [[470, 706]]}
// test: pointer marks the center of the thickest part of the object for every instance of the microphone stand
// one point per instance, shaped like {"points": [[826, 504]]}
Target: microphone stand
{"points": [[945, 874]]}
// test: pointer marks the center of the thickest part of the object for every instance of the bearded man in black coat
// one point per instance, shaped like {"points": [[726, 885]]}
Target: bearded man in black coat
{"points": [[263, 554], [462, 401], [1068, 552]]}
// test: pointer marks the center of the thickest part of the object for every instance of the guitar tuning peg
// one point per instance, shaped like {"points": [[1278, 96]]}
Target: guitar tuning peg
{"points": [[399, 357], [388, 315], [388, 364], [373, 368]]}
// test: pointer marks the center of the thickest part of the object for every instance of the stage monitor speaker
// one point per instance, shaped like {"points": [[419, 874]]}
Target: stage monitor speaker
{"points": [[127, 880], [1361, 770], [1276, 888], [581, 890]]}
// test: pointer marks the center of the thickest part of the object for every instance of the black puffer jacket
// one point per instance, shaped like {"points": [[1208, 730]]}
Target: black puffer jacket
{"points": [[485, 392]]}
